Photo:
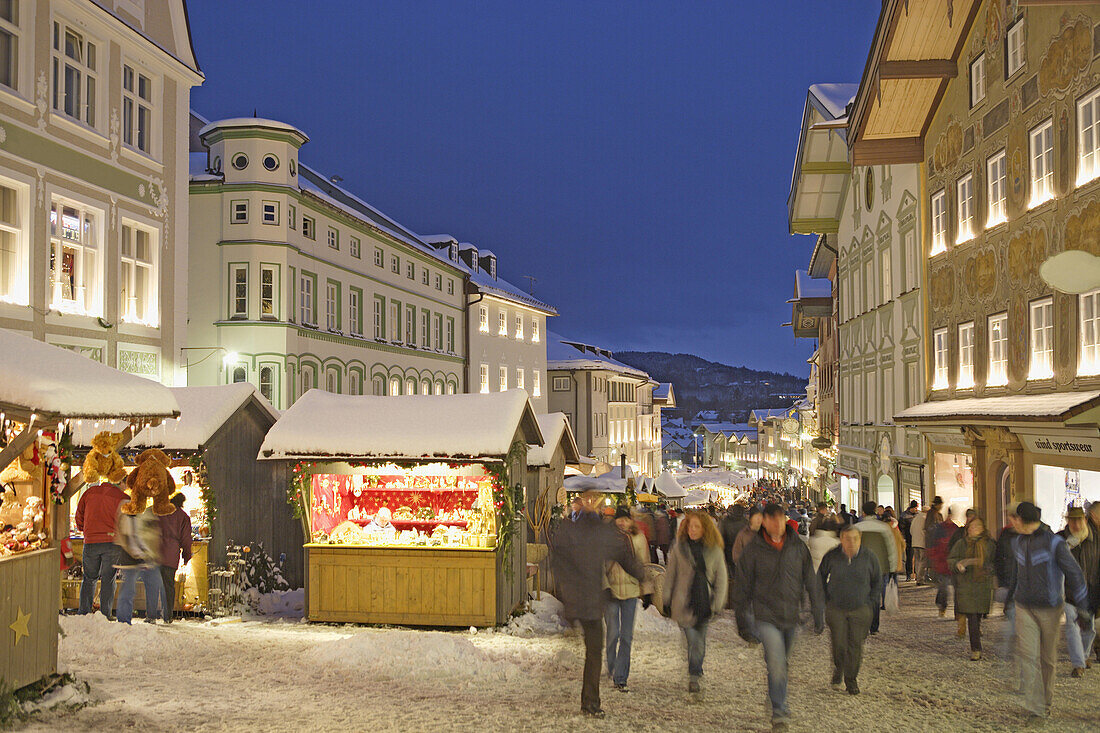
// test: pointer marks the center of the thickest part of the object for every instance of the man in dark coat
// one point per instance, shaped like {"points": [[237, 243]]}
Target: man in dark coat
{"points": [[773, 571], [850, 579], [662, 532], [582, 549]]}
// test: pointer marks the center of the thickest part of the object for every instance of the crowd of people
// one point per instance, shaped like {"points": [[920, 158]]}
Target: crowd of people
{"points": [[770, 562]]}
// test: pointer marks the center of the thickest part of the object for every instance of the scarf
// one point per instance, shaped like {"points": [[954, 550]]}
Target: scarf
{"points": [[699, 600]]}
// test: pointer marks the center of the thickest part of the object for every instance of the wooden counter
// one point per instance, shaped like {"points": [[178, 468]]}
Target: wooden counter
{"points": [[193, 590], [28, 593], [436, 586]]}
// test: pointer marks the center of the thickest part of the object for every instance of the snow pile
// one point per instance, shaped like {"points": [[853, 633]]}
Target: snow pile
{"points": [[93, 636], [543, 618], [277, 604], [70, 696], [651, 622]]}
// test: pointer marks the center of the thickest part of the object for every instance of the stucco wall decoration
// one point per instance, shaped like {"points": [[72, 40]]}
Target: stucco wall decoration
{"points": [[1083, 229], [1066, 57], [945, 155]]}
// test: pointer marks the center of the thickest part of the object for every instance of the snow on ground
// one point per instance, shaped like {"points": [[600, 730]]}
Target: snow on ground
{"points": [[289, 676]]}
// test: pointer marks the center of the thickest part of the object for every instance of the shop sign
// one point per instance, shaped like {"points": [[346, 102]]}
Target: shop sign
{"points": [[1063, 445]]}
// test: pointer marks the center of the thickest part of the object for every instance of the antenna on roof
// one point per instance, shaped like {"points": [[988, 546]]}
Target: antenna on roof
{"points": [[254, 112], [531, 283]]}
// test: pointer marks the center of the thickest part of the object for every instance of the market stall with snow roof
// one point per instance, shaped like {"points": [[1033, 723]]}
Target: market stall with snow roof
{"points": [[44, 392], [230, 495], [412, 504], [546, 467]]}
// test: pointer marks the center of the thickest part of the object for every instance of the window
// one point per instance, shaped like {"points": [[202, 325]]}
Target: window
{"points": [[355, 311], [450, 287], [13, 248], [332, 306], [439, 386], [425, 386], [425, 330], [939, 225], [354, 248], [977, 79], [332, 382], [333, 239], [502, 374], [995, 176], [534, 330], [966, 208], [379, 257], [355, 383], [1042, 339], [270, 162], [240, 161], [137, 112], [438, 332], [483, 319], [1042, 163], [519, 378], [450, 335], [137, 280], [1089, 305], [451, 387], [410, 270], [379, 320], [502, 322], [270, 212], [519, 326], [309, 231], [939, 338], [424, 275], [410, 325], [307, 380], [240, 374], [887, 276], [292, 216], [536, 383], [909, 244], [484, 374], [560, 384], [395, 321], [965, 378], [238, 212], [74, 74], [74, 263], [238, 303], [395, 386], [9, 43], [267, 292], [1088, 137], [306, 301], [1014, 49], [267, 383], [395, 265], [998, 351], [439, 282], [378, 386], [410, 386]]}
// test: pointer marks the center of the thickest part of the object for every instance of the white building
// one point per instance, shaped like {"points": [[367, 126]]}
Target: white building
{"points": [[295, 283], [506, 327], [93, 178]]}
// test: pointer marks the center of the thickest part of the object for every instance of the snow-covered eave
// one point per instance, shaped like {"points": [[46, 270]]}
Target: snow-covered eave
{"points": [[1058, 407], [569, 365], [338, 457], [501, 294]]}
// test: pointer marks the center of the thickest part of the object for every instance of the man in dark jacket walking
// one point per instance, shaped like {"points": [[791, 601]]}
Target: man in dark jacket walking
{"points": [[662, 532], [731, 526], [1043, 567], [773, 571], [850, 579], [1084, 545], [582, 549]]}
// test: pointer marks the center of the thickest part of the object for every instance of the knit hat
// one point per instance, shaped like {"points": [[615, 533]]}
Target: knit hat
{"points": [[622, 511], [1075, 512], [1028, 512]]}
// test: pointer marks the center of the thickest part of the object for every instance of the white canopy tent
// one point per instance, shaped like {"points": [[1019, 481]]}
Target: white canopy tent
{"points": [[668, 486]]}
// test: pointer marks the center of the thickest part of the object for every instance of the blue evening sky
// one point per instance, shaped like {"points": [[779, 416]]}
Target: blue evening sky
{"points": [[634, 157]]}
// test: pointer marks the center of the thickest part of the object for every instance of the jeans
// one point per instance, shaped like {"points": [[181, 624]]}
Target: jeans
{"points": [[847, 632], [150, 578], [974, 626], [98, 564], [876, 609], [168, 592], [696, 637], [777, 644], [943, 584], [620, 633], [593, 650], [1036, 653], [1078, 644]]}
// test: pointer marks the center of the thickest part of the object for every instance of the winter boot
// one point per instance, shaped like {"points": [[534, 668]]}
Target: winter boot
{"points": [[961, 631]]}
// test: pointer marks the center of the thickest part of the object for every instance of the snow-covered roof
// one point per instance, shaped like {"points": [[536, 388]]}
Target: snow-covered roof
{"points": [[36, 377], [555, 431], [321, 424], [569, 355], [438, 238], [485, 283], [725, 427], [1053, 406], [834, 97], [604, 484], [252, 122], [811, 287], [662, 390], [203, 411], [667, 485], [770, 413]]}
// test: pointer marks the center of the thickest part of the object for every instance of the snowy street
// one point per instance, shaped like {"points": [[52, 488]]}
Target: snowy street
{"points": [[287, 676]]}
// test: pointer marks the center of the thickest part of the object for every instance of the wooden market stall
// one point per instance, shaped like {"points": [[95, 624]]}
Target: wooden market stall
{"points": [[214, 445], [43, 390], [412, 504], [546, 466]]}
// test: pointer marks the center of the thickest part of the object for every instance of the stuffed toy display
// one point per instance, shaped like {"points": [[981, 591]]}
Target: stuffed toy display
{"points": [[103, 463], [151, 480]]}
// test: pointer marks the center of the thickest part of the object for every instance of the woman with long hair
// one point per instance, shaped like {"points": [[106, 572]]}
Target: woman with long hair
{"points": [[971, 560], [625, 591], [695, 586]]}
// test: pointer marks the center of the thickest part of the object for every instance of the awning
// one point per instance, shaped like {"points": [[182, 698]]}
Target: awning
{"points": [[845, 473], [1053, 407]]}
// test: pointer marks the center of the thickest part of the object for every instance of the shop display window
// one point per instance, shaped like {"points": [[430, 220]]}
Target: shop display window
{"points": [[1057, 489], [954, 483]]}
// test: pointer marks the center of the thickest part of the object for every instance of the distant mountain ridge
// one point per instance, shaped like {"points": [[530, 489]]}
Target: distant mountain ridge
{"points": [[708, 385]]}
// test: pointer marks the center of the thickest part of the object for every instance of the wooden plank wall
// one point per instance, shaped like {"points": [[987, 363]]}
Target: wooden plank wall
{"points": [[28, 583], [393, 586], [251, 494]]}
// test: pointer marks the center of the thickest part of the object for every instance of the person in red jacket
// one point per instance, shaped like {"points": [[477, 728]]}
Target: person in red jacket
{"points": [[95, 518], [175, 538]]}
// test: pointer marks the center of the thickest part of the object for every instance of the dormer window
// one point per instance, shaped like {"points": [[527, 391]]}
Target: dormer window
{"points": [[454, 252], [493, 267]]}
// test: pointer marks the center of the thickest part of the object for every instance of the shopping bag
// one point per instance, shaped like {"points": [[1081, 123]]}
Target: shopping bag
{"points": [[892, 605]]}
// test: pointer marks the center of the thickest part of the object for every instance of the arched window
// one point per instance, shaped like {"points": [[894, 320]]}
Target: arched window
{"points": [[379, 386], [395, 386], [450, 387], [355, 383], [307, 380], [239, 375], [410, 386], [267, 382], [332, 381], [439, 386], [425, 386]]}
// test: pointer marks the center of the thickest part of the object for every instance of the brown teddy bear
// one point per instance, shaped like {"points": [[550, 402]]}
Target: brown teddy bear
{"points": [[150, 480], [103, 463]]}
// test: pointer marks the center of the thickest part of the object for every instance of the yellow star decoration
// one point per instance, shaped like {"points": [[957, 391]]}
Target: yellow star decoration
{"points": [[19, 626]]}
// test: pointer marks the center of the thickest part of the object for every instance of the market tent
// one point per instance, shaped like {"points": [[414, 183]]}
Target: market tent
{"points": [[604, 484], [695, 497], [667, 485], [321, 424]]}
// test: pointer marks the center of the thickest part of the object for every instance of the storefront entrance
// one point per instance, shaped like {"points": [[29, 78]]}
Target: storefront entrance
{"points": [[953, 481]]}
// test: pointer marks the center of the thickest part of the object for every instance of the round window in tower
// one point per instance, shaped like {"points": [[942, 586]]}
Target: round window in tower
{"points": [[217, 166], [271, 162], [240, 161], [293, 168]]}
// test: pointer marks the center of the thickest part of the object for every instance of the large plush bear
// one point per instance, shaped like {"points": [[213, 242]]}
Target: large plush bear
{"points": [[150, 480], [103, 463]]}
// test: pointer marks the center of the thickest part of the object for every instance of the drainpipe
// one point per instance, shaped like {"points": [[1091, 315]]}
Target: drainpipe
{"points": [[469, 304]]}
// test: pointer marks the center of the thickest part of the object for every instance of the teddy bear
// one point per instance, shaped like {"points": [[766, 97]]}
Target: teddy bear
{"points": [[150, 480], [103, 463]]}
